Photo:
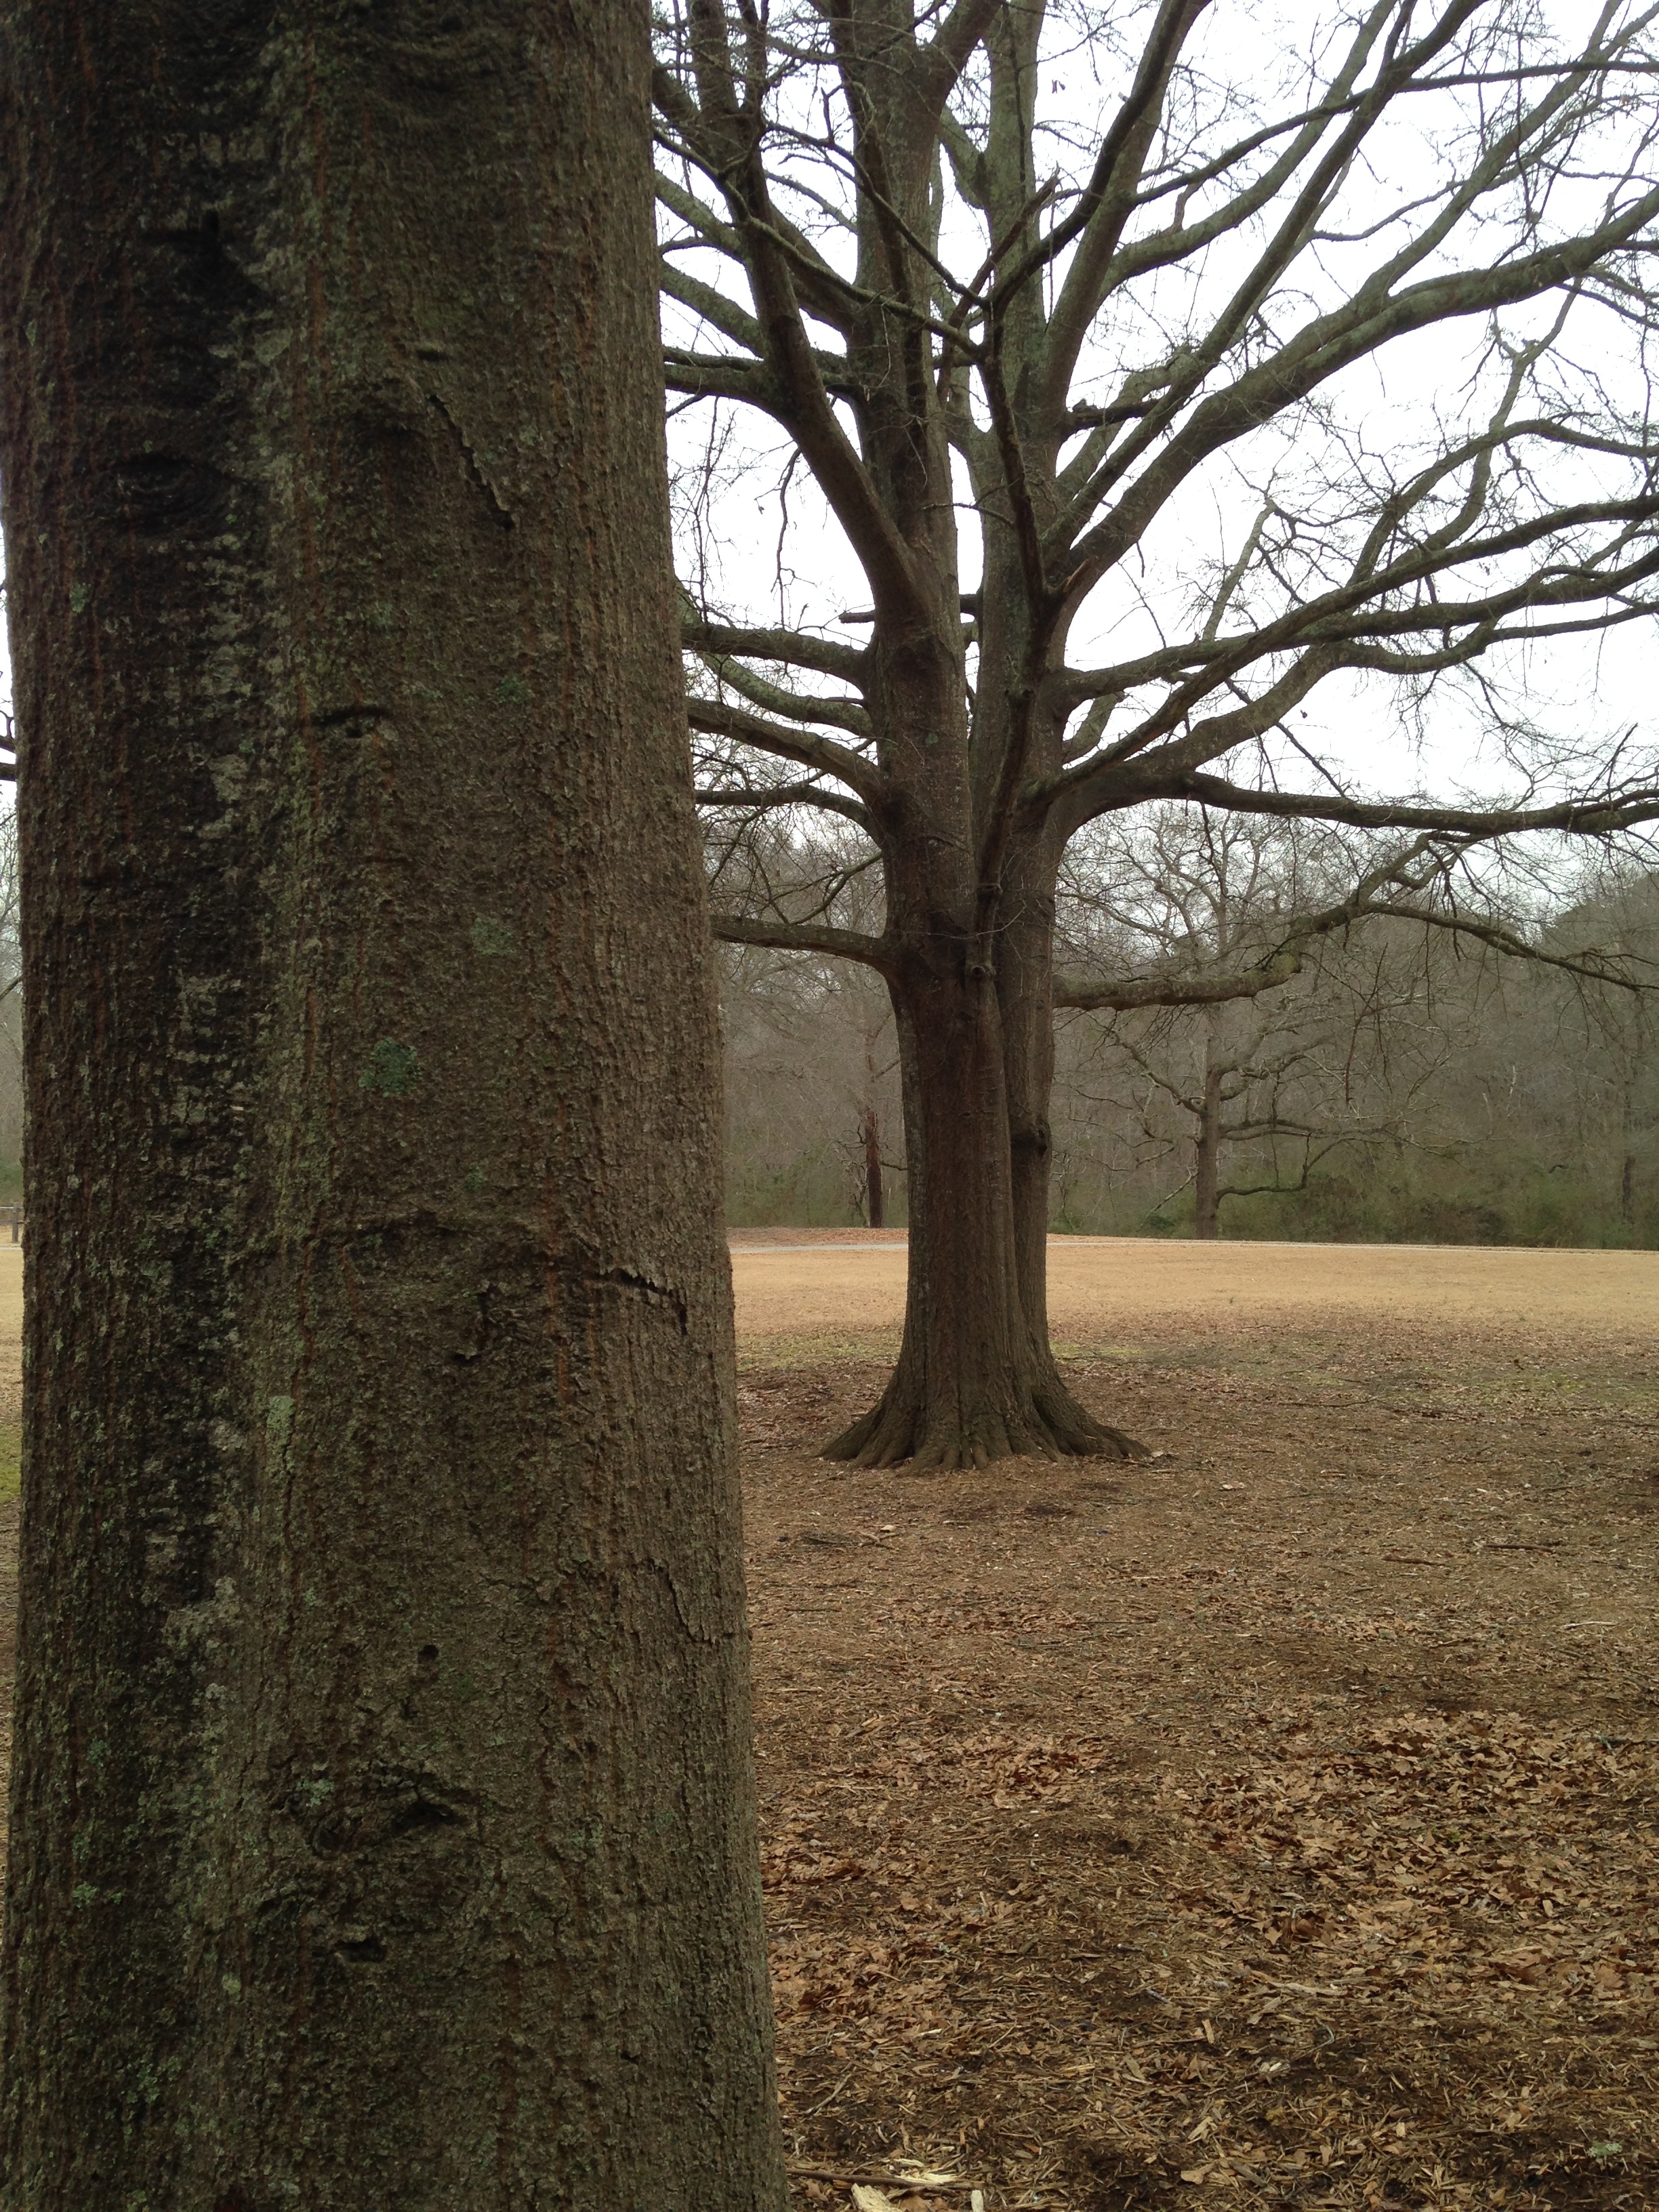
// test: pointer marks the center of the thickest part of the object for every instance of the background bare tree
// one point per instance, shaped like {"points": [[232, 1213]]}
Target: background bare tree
{"points": [[813, 1117], [814, 1133], [1270, 981], [1310, 375], [1259, 1018], [1488, 1073]]}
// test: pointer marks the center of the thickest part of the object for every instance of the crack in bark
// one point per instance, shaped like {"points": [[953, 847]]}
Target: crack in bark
{"points": [[623, 1279], [500, 513], [335, 718]]}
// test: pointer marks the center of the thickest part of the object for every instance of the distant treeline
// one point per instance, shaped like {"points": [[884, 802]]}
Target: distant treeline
{"points": [[1407, 1084]]}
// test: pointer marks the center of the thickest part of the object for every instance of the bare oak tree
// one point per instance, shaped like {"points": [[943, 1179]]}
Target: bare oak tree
{"points": [[882, 242]]}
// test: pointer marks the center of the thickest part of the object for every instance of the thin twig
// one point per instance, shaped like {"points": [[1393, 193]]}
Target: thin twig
{"points": [[873, 2180], [831, 2098]]}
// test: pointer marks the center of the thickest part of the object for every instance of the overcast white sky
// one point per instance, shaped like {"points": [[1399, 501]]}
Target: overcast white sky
{"points": [[772, 564]]}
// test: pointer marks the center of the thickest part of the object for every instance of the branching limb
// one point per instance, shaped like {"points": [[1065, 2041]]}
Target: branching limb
{"points": [[724, 376], [728, 128], [1592, 965], [876, 952], [1392, 890], [795, 649], [1375, 317], [762, 797], [1595, 815], [720, 718], [797, 705]]}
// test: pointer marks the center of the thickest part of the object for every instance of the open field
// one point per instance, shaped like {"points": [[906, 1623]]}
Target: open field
{"points": [[1272, 1822], [800, 1285]]}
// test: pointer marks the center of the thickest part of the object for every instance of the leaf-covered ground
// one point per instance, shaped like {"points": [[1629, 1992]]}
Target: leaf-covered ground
{"points": [[1271, 1823]]}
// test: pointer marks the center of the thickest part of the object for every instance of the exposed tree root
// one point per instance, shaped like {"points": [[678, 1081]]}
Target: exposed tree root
{"points": [[1037, 1420]]}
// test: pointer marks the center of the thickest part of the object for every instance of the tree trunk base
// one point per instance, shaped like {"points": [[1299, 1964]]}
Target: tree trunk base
{"points": [[1035, 1417]]}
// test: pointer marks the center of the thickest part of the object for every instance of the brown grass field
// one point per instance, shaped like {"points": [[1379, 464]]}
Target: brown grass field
{"points": [[1272, 1822]]}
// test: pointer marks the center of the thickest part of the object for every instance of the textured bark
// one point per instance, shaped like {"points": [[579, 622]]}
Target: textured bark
{"points": [[382, 1817], [971, 968], [1025, 994], [975, 1380]]}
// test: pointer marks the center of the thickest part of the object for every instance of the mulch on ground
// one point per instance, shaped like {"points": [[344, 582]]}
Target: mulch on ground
{"points": [[1269, 1823]]}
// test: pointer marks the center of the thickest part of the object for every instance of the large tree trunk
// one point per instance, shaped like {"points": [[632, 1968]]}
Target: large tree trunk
{"points": [[1025, 996], [382, 1817], [975, 1379]]}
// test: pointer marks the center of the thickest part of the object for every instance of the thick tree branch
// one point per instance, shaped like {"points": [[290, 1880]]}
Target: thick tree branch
{"points": [[1371, 319], [721, 376], [713, 308], [1595, 815], [720, 718], [1096, 787], [1592, 965], [759, 799], [1371, 895], [947, 53], [1174, 20], [1107, 203], [819, 285], [1180, 241], [1341, 629], [876, 952], [795, 649], [734, 132], [1393, 890], [797, 705], [1288, 958]]}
